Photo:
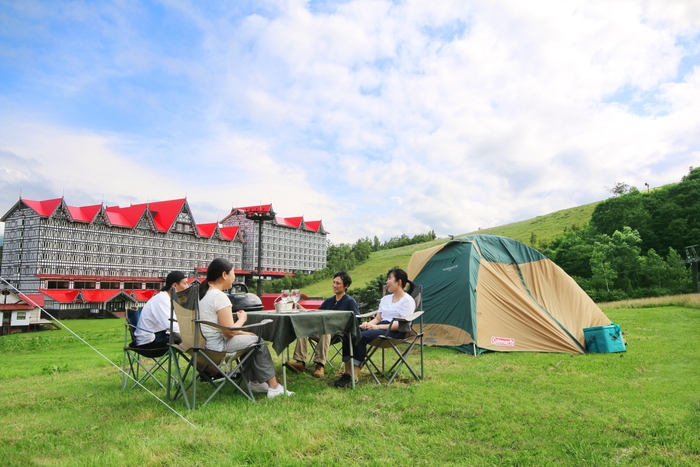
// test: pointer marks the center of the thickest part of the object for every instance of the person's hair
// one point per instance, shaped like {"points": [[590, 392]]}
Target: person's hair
{"points": [[401, 275], [215, 270], [345, 277]]}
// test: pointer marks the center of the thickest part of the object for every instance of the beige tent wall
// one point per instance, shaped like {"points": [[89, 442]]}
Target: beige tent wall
{"points": [[419, 259], [444, 334], [562, 297], [506, 313]]}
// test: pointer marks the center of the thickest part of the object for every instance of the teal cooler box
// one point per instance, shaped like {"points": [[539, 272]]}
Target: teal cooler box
{"points": [[604, 339]]}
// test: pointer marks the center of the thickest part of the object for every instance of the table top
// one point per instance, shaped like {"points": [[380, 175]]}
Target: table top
{"points": [[286, 327]]}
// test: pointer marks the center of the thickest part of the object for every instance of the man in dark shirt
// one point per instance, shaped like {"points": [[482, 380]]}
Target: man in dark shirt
{"points": [[340, 301]]}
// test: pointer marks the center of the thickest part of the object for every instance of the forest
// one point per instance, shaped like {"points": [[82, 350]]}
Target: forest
{"points": [[635, 244]]}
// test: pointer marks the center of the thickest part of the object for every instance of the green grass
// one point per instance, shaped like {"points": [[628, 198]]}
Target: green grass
{"points": [[61, 404], [546, 228]]}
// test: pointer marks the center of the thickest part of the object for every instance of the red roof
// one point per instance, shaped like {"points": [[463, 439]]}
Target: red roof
{"points": [[99, 278], [34, 299], [294, 222], [143, 295], [99, 296], [263, 208], [85, 213], [43, 208], [125, 217], [165, 213], [207, 230], [61, 296], [314, 226], [228, 233]]}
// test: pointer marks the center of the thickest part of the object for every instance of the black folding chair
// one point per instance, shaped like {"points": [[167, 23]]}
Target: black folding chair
{"points": [[141, 364], [413, 336]]}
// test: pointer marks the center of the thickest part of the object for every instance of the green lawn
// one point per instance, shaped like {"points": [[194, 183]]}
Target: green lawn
{"points": [[62, 405]]}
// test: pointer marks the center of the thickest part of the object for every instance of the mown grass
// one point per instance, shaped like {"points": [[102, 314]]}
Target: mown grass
{"points": [[61, 405]]}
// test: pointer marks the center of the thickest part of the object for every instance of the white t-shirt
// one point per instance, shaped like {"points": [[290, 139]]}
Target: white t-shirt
{"points": [[401, 309], [209, 305], [155, 317]]}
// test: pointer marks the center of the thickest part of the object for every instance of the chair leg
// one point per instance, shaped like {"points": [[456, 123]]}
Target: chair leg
{"points": [[370, 364], [403, 360]]}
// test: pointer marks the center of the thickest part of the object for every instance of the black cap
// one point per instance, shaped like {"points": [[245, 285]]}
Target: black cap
{"points": [[173, 278]]}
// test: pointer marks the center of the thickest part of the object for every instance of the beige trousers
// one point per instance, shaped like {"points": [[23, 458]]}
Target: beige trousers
{"points": [[321, 353]]}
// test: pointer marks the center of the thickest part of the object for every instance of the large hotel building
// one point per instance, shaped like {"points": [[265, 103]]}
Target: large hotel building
{"points": [[105, 258]]}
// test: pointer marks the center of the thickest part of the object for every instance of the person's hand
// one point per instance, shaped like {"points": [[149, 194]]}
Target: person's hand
{"points": [[242, 315]]}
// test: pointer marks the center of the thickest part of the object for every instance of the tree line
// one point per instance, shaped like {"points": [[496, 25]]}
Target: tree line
{"points": [[632, 246], [344, 257]]}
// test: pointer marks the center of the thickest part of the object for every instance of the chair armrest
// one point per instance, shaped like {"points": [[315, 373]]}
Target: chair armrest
{"points": [[233, 328], [368, 314], [409, 318]]}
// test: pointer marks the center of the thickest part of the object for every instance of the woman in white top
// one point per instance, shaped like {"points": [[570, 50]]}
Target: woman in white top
{"points": [[215, 306], [396, 304]]}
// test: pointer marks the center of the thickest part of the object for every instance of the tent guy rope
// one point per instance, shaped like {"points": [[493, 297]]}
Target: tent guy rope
{"points": [[25, 297]]}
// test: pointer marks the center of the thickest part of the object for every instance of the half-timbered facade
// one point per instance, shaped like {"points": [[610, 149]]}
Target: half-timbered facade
{"points": [[108, 257], [50, 245], [288, 243]]}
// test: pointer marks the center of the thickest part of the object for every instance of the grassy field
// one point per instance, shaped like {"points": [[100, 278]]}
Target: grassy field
{"points": [[545, 228], [61, 405]]}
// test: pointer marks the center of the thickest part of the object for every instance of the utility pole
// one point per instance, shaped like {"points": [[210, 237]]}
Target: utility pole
{"points": [[691, 255]]}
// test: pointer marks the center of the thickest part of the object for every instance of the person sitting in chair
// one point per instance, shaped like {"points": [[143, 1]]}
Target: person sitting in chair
{"points": [[154, 323], [340, 301], [215, 306], [396, 304]]}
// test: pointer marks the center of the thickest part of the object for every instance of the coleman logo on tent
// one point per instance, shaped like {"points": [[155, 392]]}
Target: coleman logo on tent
{"points": [[503, 341], [451, 268]]}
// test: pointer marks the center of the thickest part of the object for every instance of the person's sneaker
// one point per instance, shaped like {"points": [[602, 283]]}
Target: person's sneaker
{"points": [[344, 381], [258, 387], [278, 391], [297, 367], [318, 371]]}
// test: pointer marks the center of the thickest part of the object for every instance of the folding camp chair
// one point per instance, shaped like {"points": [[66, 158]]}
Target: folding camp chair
{"points": [[191, 355], [413, 336], [136, 358]]}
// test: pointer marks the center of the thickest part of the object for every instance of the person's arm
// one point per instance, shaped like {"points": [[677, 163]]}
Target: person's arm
{"points": [[374, 324], [225, 318]]}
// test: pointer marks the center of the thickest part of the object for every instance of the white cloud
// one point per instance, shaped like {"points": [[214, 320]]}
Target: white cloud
{"points": [[471, 114]]}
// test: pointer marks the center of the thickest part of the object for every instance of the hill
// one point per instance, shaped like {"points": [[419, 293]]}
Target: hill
{"points": [[543, 229]]}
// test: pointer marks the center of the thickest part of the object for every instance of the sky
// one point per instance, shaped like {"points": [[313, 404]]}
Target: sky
{"points": [[381, 118]]}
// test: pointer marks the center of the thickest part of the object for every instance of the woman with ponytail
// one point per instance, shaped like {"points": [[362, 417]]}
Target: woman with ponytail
{"points": [[398, 303], [215, 306]]}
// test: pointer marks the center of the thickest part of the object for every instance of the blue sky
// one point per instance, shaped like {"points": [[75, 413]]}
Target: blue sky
{"points": [[378, 117]]}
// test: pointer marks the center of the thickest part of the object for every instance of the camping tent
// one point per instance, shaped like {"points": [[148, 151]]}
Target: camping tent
{"points": [[501, 295]]}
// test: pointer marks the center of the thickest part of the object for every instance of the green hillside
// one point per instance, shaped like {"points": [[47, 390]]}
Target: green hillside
{"points": [[545, 228]]}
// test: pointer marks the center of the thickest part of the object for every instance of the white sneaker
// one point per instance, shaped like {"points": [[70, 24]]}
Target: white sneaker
{"points": [[278, 391], [258, 387]]}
